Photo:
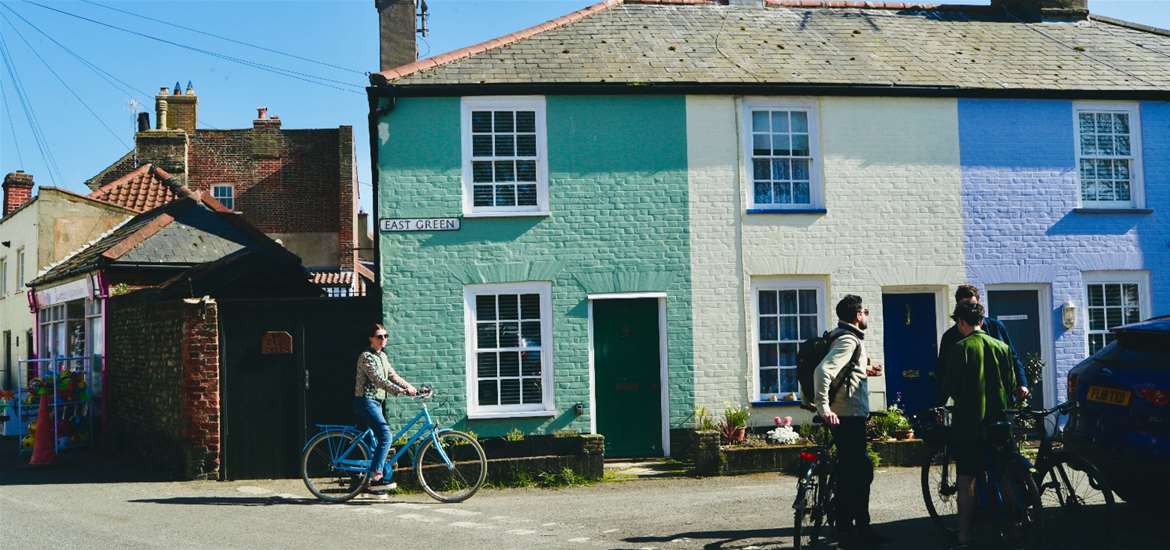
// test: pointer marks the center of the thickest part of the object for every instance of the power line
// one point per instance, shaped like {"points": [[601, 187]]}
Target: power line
{"points": [[229, 39], [121, 86], [312, 79], [63, 83], [25, 103], [11, 125]]}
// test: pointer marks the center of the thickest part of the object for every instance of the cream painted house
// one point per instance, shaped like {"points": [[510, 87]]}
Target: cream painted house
{"points": [[47, 228], [874, 210]]}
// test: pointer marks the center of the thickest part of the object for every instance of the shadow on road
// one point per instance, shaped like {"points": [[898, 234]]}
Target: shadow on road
{"points": [[73, 467], [913, 533], [259, 501]]}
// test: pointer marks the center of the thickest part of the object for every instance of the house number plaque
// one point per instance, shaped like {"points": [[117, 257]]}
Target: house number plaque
{"points": [[276, 343]]}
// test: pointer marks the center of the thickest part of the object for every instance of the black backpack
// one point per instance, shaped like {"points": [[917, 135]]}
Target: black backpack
{"points": [[812, 352]]}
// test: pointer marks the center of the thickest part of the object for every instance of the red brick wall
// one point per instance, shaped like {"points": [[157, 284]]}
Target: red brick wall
{"points": [[18, 188], [163, 385]]}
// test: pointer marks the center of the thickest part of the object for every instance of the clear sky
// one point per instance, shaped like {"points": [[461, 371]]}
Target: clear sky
{"points": [[342, 34]]}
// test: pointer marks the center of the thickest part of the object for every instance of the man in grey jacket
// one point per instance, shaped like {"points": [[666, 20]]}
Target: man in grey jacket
{"points": [[847, 366]]}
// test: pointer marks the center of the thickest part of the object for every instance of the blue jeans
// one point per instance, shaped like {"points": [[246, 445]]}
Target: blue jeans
{"points": [[369, 414]]}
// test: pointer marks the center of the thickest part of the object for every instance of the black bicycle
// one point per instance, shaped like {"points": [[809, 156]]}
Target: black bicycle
{"points": [[1008, 495], [816, 491]]}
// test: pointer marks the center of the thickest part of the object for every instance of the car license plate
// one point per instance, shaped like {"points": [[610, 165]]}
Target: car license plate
{"points": [[1112, 396]]}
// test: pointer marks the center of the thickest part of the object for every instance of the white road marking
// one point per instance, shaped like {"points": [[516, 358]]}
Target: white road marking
{"points": [[455, 512], [520, 532], [579, 539], [251, 490], [411, 506], [549, 524], [608, 531], [289, 497], [418, 517], [471, 525]]}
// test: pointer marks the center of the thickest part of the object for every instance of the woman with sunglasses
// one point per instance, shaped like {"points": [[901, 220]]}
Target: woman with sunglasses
{"points": [[374, 381]]}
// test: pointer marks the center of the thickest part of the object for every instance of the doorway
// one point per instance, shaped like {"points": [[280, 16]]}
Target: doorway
{"points": [[1020, 312], [627, 368], [911, 349]]}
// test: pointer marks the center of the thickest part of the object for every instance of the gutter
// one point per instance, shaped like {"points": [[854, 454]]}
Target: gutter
{"points": [[386, 89], [375, 95]]}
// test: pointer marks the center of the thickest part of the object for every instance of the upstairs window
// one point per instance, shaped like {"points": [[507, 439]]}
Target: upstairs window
{"points": [[225, 194], [781, 139], [3, 277], [504, 156], [1109, 156], [20, 270]]}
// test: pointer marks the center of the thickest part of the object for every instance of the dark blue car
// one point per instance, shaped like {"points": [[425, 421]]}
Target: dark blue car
{"points": [[1123, 419]]}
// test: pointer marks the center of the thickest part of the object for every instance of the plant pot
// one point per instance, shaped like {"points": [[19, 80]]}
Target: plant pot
{"points": [[740, 434], [902, 435]]}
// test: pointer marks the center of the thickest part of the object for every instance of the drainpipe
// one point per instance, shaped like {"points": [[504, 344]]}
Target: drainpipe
{"points": [[375, 95]]}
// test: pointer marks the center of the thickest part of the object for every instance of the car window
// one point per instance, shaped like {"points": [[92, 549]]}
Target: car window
{"points": [[1138, 350]]}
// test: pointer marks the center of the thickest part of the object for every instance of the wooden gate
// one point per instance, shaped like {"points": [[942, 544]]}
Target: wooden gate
{"points": [[287, 365]]}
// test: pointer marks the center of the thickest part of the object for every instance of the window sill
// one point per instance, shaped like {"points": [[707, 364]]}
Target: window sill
{"points": [[1135, 211], [509, 414], [534, 214], [814, 211], [766, 404]]}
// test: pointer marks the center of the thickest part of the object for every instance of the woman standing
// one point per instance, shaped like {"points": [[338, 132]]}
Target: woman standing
{"points": [[374, 381]]}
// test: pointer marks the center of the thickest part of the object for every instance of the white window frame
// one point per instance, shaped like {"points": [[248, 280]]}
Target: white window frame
{"points": [[1140, 278], [546, 407], [3, 276], [1137, 194], [819, 285], [231, 194], [816, 175], [505, 103], [20, 269]]}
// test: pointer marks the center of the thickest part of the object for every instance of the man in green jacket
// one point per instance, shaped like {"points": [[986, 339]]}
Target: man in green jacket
{"points": [[980, 379]]}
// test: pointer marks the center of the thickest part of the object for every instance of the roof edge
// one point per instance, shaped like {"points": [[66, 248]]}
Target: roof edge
{"points": [[1129, 24], [383, 78], [99, 202], [138, 237], [106, 170]]}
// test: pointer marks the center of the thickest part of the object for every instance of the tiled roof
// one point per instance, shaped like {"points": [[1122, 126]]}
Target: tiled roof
{"points": [[143, 189], [124, 165], [812, 44], [342, 279]]}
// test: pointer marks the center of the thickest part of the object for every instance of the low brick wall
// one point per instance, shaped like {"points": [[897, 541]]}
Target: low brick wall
{"points": [[163, 385], [582, 454], [731, 460]]}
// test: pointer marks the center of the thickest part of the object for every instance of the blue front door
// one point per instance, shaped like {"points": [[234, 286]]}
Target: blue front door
{"points": [[911, 349]]}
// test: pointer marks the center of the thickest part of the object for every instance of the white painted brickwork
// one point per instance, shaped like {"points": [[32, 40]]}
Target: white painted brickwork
{"points": [[891, 172]]}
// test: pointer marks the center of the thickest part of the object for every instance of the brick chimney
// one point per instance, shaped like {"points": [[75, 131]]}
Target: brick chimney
{"points": [[397, 30], [18, 187], [1039, 8], [176, 110]]}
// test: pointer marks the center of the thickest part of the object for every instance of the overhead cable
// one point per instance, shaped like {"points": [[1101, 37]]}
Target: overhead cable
{"points": [[29, 113], [305, 77], [11, 124], [226, 38], [63, 83]]}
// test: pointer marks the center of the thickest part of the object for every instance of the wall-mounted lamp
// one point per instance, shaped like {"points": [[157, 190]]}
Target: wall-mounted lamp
{"points": [[1068, 314], [7, 244], [579, 409]]}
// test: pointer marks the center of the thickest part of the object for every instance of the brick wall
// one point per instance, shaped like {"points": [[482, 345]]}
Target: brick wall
{"points": [[163, 384], [18, 187]]}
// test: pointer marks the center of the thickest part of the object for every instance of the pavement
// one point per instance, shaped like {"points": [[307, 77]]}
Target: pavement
{"points": [[78, 506]]}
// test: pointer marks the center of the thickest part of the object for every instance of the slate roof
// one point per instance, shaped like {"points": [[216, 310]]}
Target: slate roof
{"points": [[142, 189], [192, 230], [806, 43]]}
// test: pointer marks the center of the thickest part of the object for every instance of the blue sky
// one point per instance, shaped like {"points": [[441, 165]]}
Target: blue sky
{"points": [[338, 33]]}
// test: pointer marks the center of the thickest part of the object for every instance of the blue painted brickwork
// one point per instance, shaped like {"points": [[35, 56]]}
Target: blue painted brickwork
{"points": [[1019, 192]]}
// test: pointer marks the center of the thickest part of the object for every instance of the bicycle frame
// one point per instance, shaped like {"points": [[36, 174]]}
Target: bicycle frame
{"points": [[428, 428]]}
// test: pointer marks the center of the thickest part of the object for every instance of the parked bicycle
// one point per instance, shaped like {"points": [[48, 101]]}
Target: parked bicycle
{"points": [[816, 490], [450, 465], [1007, 492]]}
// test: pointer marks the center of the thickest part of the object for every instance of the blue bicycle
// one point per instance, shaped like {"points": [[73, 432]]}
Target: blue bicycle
{"points": [[450, 465]]}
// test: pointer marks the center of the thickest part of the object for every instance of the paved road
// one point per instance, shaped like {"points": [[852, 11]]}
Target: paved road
{"points": [[725, 513]]}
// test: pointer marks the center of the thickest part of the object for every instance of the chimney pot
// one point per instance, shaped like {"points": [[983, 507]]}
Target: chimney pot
{"points": [[261, 113], [143, 121], [163, 91], [178, 90], [190, 89]]}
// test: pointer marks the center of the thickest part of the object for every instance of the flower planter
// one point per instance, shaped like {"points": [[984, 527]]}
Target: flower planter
{"points": [[786, 458]]}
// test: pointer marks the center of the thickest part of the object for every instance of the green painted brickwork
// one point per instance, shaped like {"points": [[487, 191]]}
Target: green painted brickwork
{"points": [[618, 223]]}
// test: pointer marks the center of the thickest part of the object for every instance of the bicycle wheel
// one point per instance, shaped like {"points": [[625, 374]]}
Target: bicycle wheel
{"points": [[808, 511], [1022, 519], [454, 480], [1075, 495], [319, 467], [940, 490]]}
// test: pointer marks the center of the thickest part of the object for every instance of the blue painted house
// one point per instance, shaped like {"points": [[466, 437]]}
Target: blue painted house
{"points": [[1066, 209]]}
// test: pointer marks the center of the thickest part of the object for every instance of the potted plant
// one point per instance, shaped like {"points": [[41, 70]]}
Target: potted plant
{"points": [[734, 425]]}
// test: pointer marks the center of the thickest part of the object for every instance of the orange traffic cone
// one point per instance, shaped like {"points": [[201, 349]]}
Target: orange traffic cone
{"points": [[44, 447]]}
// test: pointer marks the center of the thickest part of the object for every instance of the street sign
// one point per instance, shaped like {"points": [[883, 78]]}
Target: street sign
{"points": [[402, 225]]}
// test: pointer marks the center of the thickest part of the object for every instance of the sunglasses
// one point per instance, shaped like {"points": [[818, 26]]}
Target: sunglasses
{"points": [[381, 336]]}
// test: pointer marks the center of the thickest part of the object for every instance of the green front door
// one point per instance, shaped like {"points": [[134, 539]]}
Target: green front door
{"points": [[626, 374]]}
